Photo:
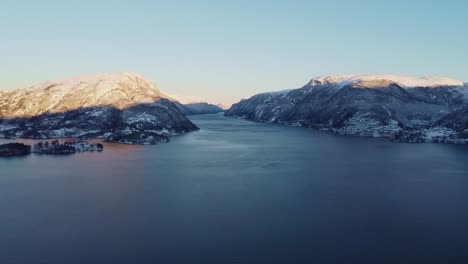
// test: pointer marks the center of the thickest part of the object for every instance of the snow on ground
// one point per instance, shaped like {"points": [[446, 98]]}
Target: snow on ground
{"points": [[404, 81], [364, 126], [5, 127], [142, 118], [434, 133], [118, 90]]}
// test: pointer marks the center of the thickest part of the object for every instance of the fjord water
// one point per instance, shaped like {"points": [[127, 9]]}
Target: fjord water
{"points": [[239, 192]]}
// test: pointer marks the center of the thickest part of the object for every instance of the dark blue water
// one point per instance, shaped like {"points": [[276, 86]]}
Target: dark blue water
{"points": [[239, 192]]}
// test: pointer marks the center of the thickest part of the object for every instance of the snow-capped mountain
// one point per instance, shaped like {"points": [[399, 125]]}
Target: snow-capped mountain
{"points": [[224, 106], [362, 105], [377, 81], [194, 105], [121, 107], [200, 102]]}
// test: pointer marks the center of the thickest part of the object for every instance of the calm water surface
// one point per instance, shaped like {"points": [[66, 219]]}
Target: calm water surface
{"points": [[239, 192]]}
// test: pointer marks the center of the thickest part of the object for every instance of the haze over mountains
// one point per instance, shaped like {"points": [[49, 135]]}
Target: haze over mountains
{"points": [[194, 105], [403, 108], [200, 109]]}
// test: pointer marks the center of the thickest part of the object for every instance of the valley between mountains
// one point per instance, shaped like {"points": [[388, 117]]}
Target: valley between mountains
{"points": [[126, 108]]}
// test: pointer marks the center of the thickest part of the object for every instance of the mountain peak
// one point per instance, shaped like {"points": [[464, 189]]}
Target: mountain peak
{"points": [[117, 90], [373, 81]]}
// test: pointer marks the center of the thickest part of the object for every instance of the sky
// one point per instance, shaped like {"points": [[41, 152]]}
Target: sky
{"points": [[227, 50]]}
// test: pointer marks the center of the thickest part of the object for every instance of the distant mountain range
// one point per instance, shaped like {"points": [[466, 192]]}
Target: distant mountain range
{"points": [[403, 108], [188, 99], [200, 109], [121, 107], [194, 105]]}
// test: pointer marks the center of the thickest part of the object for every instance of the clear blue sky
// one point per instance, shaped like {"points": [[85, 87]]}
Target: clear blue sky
{"points": [[226, 50]]}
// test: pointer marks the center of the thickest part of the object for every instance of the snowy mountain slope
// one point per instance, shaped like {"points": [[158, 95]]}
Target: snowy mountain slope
{"points": [[118, 90], [366, 105], [122, 107], [224, 106], [376, 81], [457, 120]]}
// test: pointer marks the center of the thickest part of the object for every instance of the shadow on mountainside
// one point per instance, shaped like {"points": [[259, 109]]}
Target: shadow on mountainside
{"points": [[150, 123]]}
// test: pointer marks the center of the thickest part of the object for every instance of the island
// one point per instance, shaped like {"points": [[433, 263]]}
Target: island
{"points": [[49, 148], [14, 149], [67, 147]]}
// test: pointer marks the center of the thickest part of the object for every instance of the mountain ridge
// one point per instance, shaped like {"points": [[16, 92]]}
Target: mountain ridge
{"points": [[118, 107], [118, 90], [373, 81], [362, 106], [194, 105]]}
